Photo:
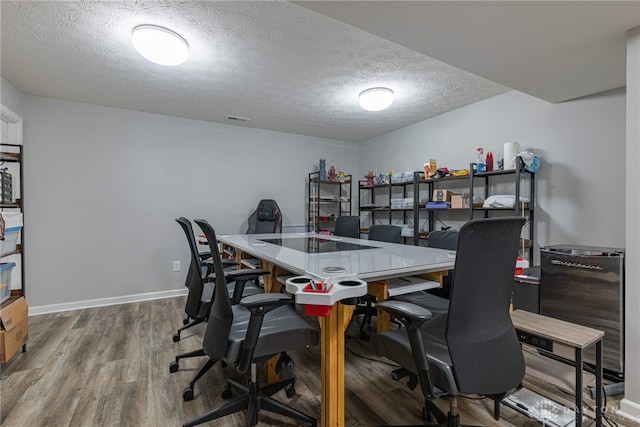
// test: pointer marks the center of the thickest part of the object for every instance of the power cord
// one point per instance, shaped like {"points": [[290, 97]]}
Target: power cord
{"points": [[371, 359]]}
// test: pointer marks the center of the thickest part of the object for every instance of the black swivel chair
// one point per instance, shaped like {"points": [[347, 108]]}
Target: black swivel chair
{"points": [[255, 330], [435, 300], [474, 348], [347, 226], [199, 299], [379, 233], [266, 218], [200, 288]]}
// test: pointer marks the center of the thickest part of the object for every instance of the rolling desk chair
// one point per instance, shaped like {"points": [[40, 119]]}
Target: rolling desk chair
{"points": [[199, 298], [474, 348], [347, 226], [380, 233], [266, 218], [242, 335], [200, 288]]}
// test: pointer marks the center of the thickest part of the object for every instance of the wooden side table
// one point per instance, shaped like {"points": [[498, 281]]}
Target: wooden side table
{"points": [[562, 338]]}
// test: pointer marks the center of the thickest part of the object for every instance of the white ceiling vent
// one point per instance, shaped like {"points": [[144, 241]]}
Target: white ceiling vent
{"points": [[238, 118]]}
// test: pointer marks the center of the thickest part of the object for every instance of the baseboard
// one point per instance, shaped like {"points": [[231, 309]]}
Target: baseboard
{"points": [[126, 299], [629, 410]]}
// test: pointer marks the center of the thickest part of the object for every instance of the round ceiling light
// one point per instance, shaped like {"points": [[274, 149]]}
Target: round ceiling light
{"points": [[376, 99], [160, 45]]}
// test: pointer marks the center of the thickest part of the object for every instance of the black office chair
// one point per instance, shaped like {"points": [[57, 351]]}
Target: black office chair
{"points": [[199, 299], [435, 300], [266, 218], [381, 233], [347, 226], [200, 288], [260, 327], [474, 348]]}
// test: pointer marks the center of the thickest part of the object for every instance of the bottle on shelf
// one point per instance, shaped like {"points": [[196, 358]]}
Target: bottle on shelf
{"points": [[480, 161], [489, 162]]}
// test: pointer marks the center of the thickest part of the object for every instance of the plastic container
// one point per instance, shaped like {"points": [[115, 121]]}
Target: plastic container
{"points": [[10, 241], [480, 161], [489, 162], [6, 269], [314, 309]]}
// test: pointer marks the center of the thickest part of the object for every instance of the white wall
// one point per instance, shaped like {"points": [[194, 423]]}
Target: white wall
{"points": [[630, 405], [10, 97], [104, 185], [580, 184]]}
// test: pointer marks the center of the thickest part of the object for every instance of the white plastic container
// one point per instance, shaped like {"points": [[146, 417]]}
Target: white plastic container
{"points": [[13, 226], [8, 245], [6, 269]]}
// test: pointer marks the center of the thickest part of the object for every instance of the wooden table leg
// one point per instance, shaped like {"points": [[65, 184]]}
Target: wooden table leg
{"points": [[379, 289], [332, 329]]}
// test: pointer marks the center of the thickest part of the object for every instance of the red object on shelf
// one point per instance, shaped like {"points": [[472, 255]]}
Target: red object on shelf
{"points": [[314, 309], [488, 163]]}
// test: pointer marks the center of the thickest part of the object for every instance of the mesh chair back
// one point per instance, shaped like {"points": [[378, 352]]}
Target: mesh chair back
{"points": [[267, 218], [221, 316], [484, 349], [347, 226], [194, 275], [385, 233]]}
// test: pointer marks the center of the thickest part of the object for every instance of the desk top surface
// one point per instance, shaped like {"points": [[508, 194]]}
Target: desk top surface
{"points": [[556, 330], [365, 259]]}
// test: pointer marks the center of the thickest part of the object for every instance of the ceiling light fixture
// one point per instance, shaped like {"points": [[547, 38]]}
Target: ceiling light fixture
{"points": [[160, 45], [376, 99]]}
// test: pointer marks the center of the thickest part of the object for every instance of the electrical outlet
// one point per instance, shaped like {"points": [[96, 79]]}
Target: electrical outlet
{"points": [[176, 265]]}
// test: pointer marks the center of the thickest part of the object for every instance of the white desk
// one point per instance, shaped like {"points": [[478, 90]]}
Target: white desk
{"points": [[375, 265]]}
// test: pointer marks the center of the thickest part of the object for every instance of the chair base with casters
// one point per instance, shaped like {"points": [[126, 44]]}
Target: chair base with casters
{"points": [[253, 399]]}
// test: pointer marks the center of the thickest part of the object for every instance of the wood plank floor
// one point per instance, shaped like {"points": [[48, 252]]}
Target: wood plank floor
{"points": [[108, 366]]}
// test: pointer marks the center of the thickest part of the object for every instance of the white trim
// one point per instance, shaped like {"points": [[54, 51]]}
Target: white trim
{"points": [[127, 299], [14, 125], [629, 410]]}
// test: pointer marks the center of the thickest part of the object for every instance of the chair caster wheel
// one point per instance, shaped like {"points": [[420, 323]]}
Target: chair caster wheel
{"points": [[185, 321], [226, 392], [173, 367], [176, 337], [290, 390], [187, 394]]}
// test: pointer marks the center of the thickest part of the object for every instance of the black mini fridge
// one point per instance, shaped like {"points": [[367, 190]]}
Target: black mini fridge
{"points": [[585, 285]]}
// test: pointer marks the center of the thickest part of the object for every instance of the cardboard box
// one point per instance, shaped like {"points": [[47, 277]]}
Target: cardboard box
{"points": [[456, 201], [441, 196], [14, 330]]}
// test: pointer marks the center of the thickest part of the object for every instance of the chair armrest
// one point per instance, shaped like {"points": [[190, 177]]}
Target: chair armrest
{"points": [[258, 305], [406, 310], [412, 317], [225, 262], [264, 303], [205, 255], [246, 274]]}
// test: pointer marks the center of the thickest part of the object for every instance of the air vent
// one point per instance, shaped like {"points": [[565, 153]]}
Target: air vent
{"points": [[238, 118]]}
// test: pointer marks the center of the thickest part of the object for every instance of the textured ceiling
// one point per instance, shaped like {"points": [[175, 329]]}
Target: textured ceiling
{"points": [[554, 50], [281, 65]]}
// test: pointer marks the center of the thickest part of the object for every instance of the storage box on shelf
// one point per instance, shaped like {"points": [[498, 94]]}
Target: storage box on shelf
{"points": [[6, 270]]}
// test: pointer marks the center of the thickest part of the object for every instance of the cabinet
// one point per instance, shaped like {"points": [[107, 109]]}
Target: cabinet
{"points": [[11, 202], [403, 203], [327, 201]]}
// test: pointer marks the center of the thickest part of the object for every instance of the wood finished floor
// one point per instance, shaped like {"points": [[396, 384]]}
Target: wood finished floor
{"points": [[108, 366]]}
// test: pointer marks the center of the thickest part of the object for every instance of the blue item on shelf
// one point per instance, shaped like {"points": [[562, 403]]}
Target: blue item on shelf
{"points": [[438, 205]]}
